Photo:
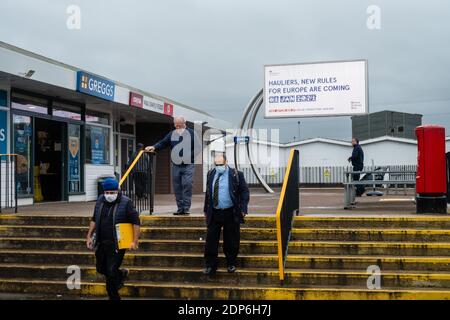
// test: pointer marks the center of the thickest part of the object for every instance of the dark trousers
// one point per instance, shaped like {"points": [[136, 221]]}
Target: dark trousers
{"points": [[182, 179], [108, 264], [231, 238], [359, 188]]}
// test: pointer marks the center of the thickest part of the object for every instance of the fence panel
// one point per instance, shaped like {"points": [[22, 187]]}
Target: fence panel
{"points": [[321, 176], [8, 178]]}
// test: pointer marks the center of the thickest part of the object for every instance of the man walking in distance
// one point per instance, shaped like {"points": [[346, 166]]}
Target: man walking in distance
{"points": [[111, 208], [226, 202], [185, 146], [357, 161]]}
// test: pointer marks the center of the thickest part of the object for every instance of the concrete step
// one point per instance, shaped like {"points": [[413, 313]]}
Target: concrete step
{"points": [[174, 259], [149, 221], [176, 233], [176, 290], [328, 258], [248, 246], [419, 222], [361, 234], [376, 222], [256, 277], [194, 233]]}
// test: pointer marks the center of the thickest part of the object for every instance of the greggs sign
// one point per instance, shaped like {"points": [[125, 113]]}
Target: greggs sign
{"points": [[95, 86]]}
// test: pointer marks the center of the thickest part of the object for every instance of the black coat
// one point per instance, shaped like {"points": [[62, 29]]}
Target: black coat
{"points": [[357, 157], [239, 193]]}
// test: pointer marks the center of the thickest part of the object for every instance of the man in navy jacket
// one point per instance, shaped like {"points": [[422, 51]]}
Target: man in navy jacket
{"points": [[357, 160], [185, 146], [226, 202], [111, 209]]}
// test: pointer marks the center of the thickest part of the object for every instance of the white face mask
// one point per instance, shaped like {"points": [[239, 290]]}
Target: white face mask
{"points": [[111, 197], [221, 169]]}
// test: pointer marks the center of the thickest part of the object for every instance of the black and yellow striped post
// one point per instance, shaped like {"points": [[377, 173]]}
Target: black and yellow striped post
{"points": [[288, 207]]}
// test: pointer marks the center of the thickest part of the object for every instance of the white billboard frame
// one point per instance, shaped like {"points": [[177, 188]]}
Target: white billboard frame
{"points": [[366, 72]]}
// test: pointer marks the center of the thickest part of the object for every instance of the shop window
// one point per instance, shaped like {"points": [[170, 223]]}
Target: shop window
{"points": [[127, 128], [97, 117], [22, 147], [74, 145], [97, 145], [3, 98], [67, 111], [30, 104]]}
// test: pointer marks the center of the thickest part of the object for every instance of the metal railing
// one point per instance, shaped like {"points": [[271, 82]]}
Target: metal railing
{"points": [[138, 182], [288, 207], [315, 176], [8, 178]]}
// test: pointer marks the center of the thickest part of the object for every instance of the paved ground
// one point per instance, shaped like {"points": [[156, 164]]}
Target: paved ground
{"points": [[320, 201]]}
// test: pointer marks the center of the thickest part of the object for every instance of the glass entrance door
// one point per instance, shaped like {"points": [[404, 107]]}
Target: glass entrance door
{"points": [[127, 149]]}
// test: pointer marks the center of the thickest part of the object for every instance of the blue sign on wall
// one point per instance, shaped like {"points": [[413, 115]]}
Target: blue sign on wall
{"points": [[241, 140], [95, 86], [3, 132], [97, 145]]}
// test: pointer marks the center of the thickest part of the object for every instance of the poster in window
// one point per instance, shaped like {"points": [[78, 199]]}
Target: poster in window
{"points": [[97, 145], [74, 158]]}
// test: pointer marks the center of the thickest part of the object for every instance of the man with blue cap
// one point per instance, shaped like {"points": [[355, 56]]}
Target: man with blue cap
{"points": [[111, 209]]}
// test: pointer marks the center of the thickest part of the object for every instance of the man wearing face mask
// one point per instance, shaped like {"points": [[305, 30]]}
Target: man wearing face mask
{"points": [[111, 209], [226, 200]]}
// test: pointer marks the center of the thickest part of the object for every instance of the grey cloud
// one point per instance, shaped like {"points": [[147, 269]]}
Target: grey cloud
{"points": [[210, 54]]}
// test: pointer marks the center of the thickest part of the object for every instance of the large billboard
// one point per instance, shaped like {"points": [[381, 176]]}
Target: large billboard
{"points": [[337, 88]]}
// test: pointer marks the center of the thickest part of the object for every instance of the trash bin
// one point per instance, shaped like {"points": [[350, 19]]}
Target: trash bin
{"points": [[100, 184]]}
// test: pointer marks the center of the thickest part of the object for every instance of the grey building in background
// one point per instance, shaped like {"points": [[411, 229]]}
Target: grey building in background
{"points": [[385, 123]]}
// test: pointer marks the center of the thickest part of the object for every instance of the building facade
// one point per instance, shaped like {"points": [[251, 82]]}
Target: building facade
{"points": [[69, 127], [385, 123]]}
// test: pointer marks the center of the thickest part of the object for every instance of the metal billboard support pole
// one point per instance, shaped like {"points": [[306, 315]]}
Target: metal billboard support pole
{"points": [[252, 109]]}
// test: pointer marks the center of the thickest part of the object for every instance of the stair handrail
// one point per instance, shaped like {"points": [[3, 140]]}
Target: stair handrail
{"points": [[288, 204], [143, 199]]}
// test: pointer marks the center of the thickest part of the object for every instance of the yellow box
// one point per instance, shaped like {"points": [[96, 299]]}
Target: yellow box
{"points": [[125, 235]]}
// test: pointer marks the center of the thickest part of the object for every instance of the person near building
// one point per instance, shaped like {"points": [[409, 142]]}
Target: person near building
{"points": [[140, 172], [111, 209], [357, 161], [226, 201], [185, 147]]}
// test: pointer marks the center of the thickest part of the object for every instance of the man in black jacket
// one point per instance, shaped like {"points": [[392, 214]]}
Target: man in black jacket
{"points": [[357, 160], [226, 202], [185, 146], [111, 208]]}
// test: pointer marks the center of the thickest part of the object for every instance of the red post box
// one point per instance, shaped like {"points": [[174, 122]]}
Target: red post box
{"points": [[431, 178]]}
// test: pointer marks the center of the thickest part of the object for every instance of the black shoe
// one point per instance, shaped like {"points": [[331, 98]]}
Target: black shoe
{"points": [[209, 271], [125, 273], [186, 213], [231, 269], [178, 213]]}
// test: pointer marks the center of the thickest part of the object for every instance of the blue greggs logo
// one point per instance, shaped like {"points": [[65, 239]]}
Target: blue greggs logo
{"points": [[95, 86]]}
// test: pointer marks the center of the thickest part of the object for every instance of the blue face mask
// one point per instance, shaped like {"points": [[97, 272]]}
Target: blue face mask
{"points": [[220, 169]]}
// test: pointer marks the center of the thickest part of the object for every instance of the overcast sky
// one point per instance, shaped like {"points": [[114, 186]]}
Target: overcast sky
{"points": [[210, 53]]}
